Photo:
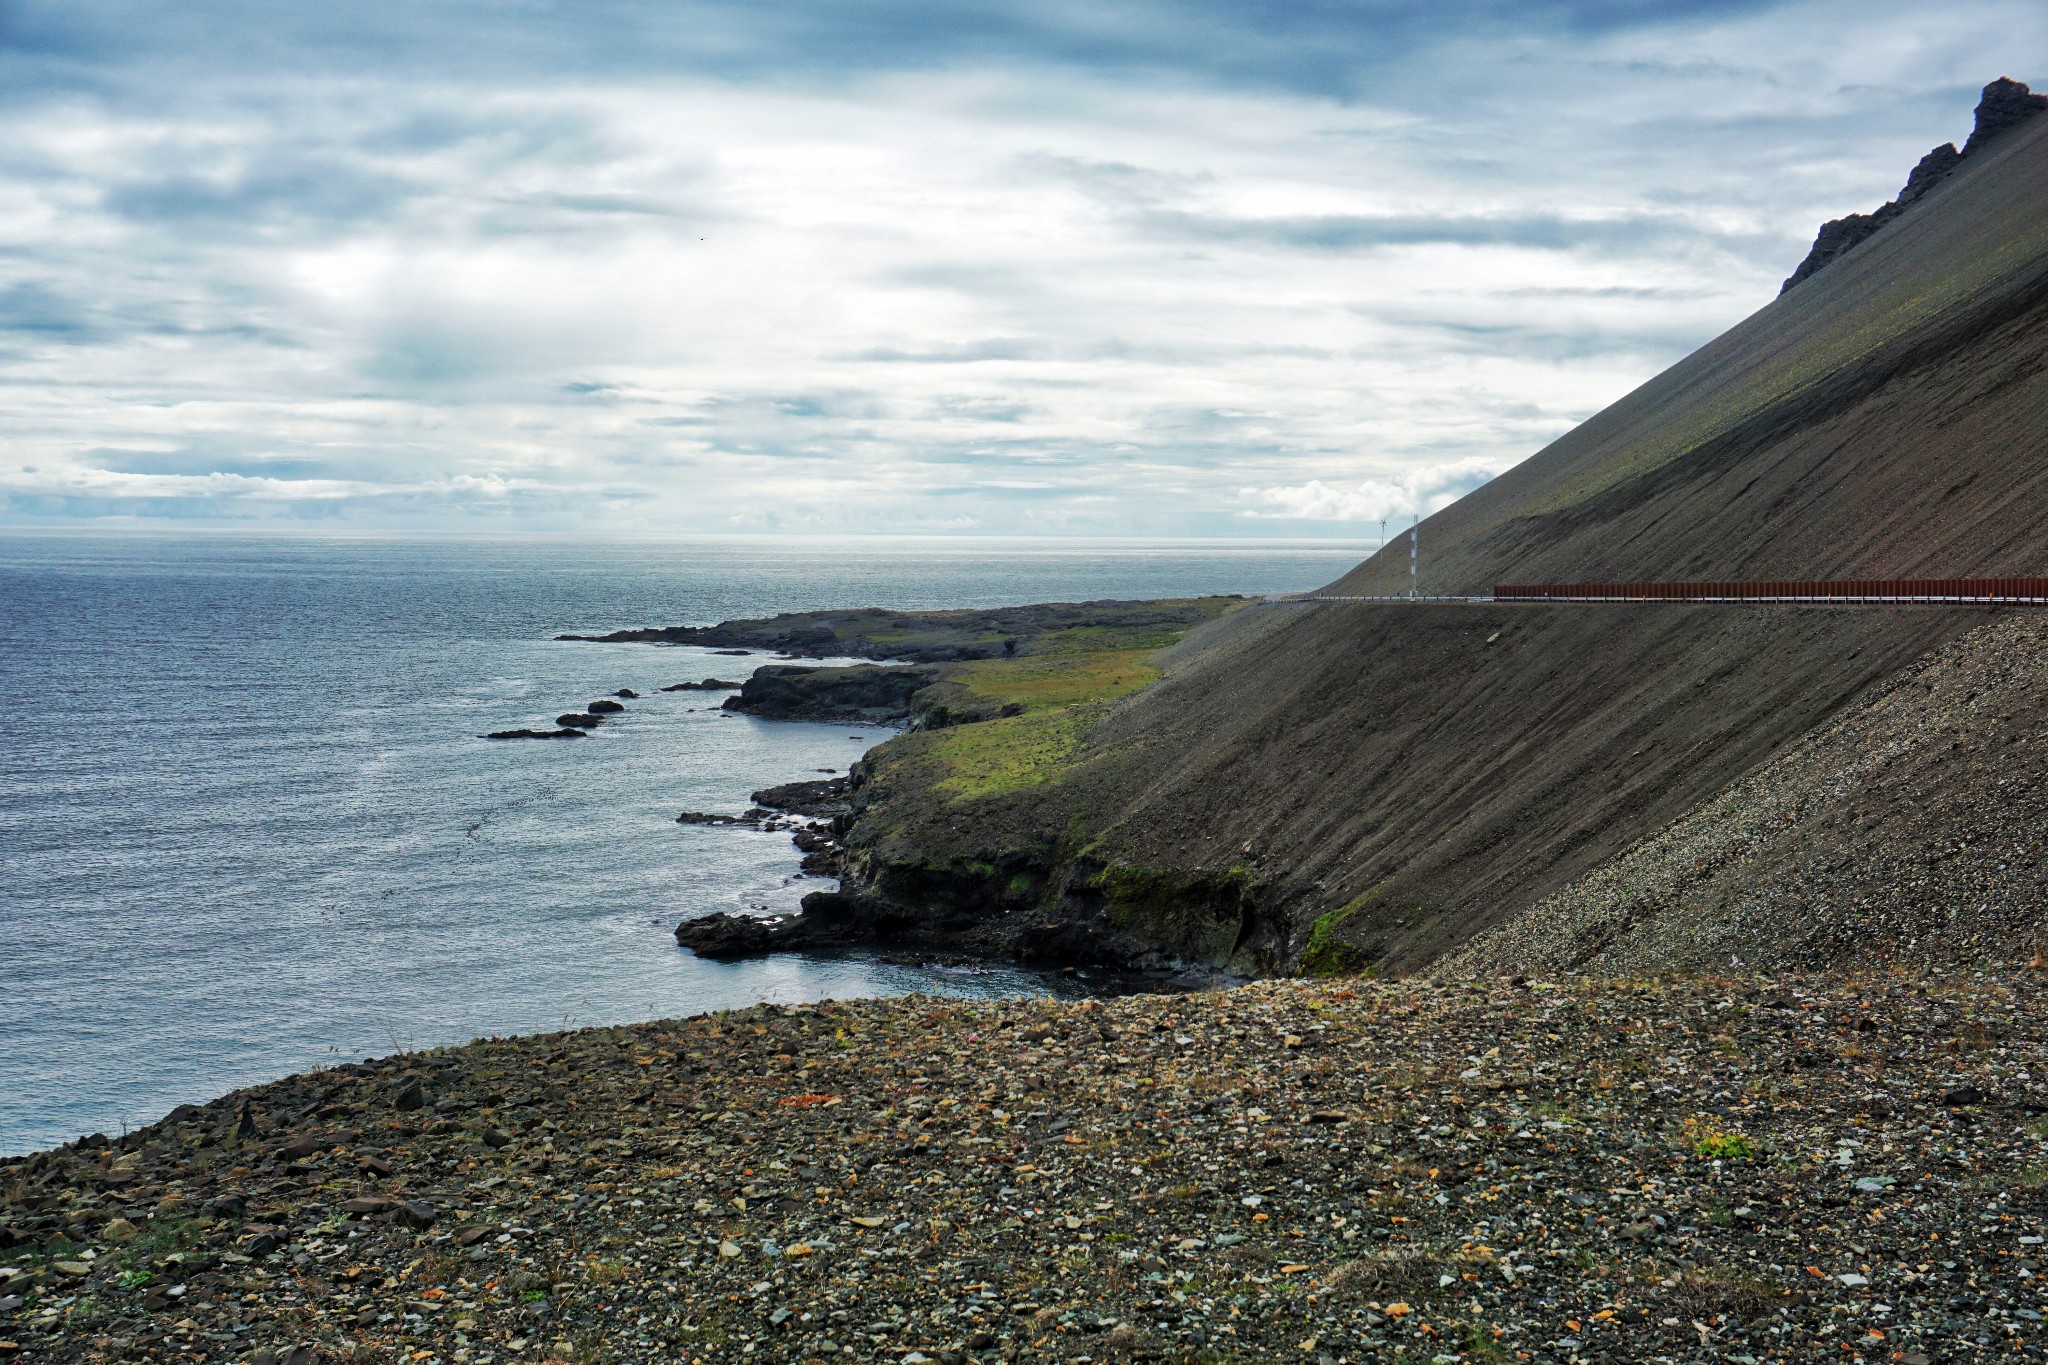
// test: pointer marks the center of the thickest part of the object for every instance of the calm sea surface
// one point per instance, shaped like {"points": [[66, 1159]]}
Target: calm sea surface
{"points": [[247, 826]]}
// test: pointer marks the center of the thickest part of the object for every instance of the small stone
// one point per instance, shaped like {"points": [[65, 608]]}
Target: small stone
{"points": [[120, 1232], [410, 1098], [77, 1270]]}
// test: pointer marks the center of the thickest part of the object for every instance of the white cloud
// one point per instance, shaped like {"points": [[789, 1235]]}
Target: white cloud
{"points": [[1420, 490], [968, 277]]}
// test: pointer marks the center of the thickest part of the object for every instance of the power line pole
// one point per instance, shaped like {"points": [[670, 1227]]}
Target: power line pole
{"points": [[1414, 536]]}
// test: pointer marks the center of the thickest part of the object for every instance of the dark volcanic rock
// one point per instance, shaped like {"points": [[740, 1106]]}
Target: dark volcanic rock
{"points": [[827, 796], [535, 734], [700, 817], [628, 693], [724, 936], [869, 694], [707, 685], [578, 719], [2006, 104], [1842, 235], [604, 706]]}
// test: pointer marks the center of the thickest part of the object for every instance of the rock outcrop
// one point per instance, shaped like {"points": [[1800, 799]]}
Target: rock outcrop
{"points": [[823, 797], [867, 694], [723, 937], [2005, 105]]}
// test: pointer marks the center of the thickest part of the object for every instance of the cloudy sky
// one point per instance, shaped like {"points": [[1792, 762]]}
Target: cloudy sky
{"points": [[1134, 267]]}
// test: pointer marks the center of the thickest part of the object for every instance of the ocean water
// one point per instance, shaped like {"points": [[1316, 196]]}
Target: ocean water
{"points": [[247, 825]]}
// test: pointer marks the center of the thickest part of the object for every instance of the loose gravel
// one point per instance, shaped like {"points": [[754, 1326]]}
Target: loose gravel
{"points": [[1848, 1168], [1914, 827]]}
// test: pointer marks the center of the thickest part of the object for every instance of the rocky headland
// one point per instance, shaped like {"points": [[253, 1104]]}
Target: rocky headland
{"points": [[927, 636], [874, 694]]}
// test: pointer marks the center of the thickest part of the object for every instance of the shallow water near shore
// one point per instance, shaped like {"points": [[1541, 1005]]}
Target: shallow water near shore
{"points": [[247, 826]]}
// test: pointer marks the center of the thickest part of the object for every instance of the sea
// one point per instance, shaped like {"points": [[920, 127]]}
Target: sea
{"points": [[248, 826]]}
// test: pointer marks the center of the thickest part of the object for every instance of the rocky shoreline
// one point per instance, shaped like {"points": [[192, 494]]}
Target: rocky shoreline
{"points": [[1736, 1169], [922, 637]]}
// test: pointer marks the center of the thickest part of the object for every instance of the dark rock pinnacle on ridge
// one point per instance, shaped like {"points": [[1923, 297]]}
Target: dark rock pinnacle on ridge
{"points": [[2006, 104]]}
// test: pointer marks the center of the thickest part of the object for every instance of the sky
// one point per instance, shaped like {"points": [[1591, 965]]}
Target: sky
{"points": [[984, 267]]}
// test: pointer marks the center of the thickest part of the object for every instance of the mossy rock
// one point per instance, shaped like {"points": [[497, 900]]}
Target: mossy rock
{"points": [[1339, 943]]}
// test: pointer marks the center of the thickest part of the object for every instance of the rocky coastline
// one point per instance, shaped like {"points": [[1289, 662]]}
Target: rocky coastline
{"points": [[1032, 669], [920, 636]]}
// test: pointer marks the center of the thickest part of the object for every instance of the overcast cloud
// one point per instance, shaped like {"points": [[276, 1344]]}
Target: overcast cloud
{"points": [[853, 265]]}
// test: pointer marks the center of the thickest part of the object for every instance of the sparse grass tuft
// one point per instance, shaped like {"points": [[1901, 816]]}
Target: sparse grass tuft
{"points": [[1709, 1141]]}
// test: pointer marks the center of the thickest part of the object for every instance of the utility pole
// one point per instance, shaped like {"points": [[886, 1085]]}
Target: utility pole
{"points": [[1414, 535]]}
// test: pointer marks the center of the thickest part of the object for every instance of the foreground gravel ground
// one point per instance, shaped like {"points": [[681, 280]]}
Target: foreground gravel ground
{"points": [[1849, 1168]]}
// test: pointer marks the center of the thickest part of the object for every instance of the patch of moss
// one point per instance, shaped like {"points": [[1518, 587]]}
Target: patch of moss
{"points": [[1061, 696], [1327, 955], [1041, 702]]}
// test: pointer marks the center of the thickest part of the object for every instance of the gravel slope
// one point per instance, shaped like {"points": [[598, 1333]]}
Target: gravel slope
{"points": [[1914, 828], [1850, 1168]]}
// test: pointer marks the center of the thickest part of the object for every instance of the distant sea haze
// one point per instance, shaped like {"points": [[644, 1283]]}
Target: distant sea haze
{"points": [[247, 827]]}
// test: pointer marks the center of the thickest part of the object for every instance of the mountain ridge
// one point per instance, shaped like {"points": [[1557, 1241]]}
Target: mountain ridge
{"points": [[2005, 104]]}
